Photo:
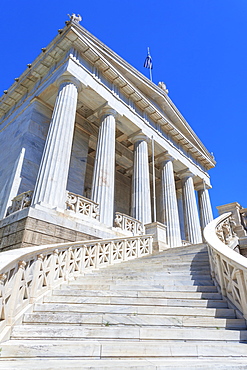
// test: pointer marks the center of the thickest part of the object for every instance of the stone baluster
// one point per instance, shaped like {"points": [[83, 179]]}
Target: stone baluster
{"points": [[50, 188], [206, 214], [191, 217], [170, 215], [104, 167], [141, 199]]}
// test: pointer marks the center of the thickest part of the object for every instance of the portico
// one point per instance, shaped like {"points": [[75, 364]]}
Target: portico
{"points": [[94, 157]]}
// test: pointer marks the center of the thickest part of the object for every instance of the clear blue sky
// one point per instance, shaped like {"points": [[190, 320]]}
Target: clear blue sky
{"points": [[198, 49]]}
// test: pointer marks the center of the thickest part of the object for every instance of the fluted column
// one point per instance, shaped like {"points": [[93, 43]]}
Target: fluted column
{"points": [[51, 182], [206, 214], [192, 224], [104, 167], [181, 213], [169, 200], [141, 199]]}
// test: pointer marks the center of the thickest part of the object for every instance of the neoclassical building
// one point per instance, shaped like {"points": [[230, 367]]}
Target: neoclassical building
{"points": [[91, 148]]}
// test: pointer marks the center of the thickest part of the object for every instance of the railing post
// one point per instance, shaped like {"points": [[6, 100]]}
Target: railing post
{"points": [[2, 297], [125, 250], [15, 295], [138, 249], [97, 248], [242, 292], [221, 281], [150, 244], [67, 264], [111, 253], [35, 281], [52, 272]]}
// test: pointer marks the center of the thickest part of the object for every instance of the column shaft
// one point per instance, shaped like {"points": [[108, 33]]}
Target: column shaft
{"points": [[104, 168], [141, 200], [52, 177], [181, 213], [206, 214], [170, 207], [193, 229]]}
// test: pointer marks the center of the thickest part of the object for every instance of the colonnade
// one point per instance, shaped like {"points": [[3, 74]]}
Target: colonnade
{"points": [[50, 188]]}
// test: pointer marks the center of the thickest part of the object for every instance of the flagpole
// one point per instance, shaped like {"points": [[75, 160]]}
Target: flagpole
{"points": [[154, 195], [150, 68]]}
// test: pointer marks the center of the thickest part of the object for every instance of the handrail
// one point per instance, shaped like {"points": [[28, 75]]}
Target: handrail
{"points": [[28, 273], [228, 267]]}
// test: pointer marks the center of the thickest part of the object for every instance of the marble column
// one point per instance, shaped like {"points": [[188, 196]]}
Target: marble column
{"points": [[104, 167], [169, 200], [206, 214], [141, 199], [181, 213], [50, 188], [191, 217]]}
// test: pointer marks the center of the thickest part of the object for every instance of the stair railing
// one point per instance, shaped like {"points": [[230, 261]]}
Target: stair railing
{"points": [[228, 268], [28, 273]]}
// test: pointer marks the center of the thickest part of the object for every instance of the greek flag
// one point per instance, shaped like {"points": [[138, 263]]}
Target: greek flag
{"points": [[148, 61]]}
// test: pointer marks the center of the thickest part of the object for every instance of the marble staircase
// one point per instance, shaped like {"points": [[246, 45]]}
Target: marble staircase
{"points": [[161, 311]]}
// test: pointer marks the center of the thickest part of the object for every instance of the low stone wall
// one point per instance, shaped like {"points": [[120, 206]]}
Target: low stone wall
{"points": [[29, 232]]}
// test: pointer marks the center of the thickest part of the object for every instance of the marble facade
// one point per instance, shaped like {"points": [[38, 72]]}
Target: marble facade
{"points": [[83, 119]]}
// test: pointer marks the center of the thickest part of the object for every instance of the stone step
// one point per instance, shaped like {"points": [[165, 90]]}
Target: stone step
{"points": [[136, 301], [142, 287], [135, 309], [124, 332], [115, 349], [132, 364], [134, 277], [161, 271], [68, 291], [123, 319]]}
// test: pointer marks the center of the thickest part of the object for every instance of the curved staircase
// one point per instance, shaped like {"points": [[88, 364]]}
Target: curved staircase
{"points": [[161, 311]]}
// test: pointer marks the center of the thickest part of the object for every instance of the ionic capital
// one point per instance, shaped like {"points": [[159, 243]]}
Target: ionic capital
{"points": [[164, 157], [202, 186], [63, 79], [107, 111], [138, 136], [184, 174]]}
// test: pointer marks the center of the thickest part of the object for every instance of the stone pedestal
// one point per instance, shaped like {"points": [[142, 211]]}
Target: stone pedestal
{"points": [[235, 208], [141, 200], [158, 230], [52, 177], [169, 202], [192, 224], [104, 167]]}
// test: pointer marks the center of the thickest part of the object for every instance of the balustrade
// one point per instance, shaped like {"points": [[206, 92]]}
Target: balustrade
{"points": [[82, 205], [27, 273], [228, 268], [128, 223]]}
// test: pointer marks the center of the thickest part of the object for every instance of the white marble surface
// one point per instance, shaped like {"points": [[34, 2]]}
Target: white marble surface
{"points": [[141, 201], [52, 178], [104, 167], [170, 207], [193, 228]]}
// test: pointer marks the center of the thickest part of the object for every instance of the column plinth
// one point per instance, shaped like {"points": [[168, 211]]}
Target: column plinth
{"points": [[169, 202], [192, 224], [104, 167], [52, 177], [141, 200]]}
